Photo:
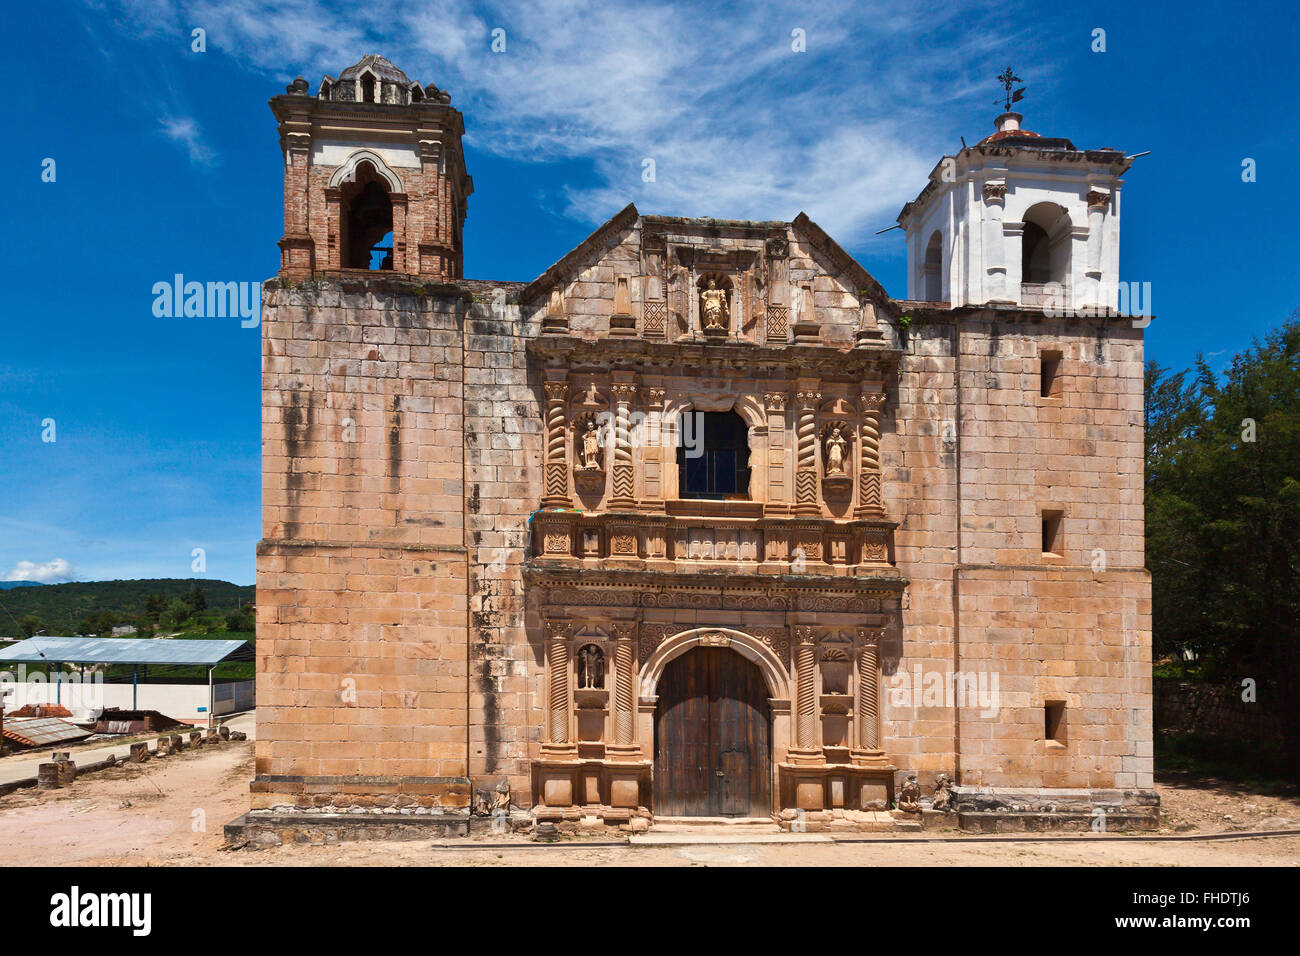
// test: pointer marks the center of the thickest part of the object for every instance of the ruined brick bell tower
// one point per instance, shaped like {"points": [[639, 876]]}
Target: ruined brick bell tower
{"points": [[371, 155]]}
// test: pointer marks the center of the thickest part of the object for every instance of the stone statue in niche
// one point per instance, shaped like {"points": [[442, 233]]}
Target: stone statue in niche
{"points": [[836, 446], [591, 446], [591, 668], [942, 794], [713, 307], [909, 795]]}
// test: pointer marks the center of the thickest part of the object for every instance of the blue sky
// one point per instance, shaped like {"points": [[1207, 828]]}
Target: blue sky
{"points": [[166, 161]]}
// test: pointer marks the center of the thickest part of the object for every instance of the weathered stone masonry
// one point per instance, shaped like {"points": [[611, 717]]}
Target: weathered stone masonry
{"points": [[459, 592]]}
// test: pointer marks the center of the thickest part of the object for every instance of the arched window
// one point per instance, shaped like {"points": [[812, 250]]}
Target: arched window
{"points": [[713, 458], [368, 88], [932, 285], [367, 226], [1045, 245]]}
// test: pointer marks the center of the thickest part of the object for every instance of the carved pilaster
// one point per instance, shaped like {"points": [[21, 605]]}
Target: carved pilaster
{"points": [[557, 468], [870, 504], [868, 704], [557, 633], [624, 679], [652, 449], [805, 662], [778, 477], [624, 475], [805, 479]]}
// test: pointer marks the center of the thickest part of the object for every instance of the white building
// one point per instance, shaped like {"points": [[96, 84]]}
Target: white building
{"points": [[1005, 219]]}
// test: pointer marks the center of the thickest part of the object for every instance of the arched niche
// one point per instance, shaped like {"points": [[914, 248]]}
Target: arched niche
{"points": [[751, 648]]}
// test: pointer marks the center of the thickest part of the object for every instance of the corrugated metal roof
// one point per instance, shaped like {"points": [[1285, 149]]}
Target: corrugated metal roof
{"points": [[42, 731], [118, 650]]}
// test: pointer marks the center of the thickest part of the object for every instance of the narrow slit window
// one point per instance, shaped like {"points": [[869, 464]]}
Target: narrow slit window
{"points": [[1049, 379], [1054, 721], [1052, 543]]}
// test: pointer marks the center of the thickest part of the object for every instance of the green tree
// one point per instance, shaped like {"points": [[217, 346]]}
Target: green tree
{"points": [[155, 605], [1223, 520], [196, 599], [240, 620], [30, 624], [178, 612]]}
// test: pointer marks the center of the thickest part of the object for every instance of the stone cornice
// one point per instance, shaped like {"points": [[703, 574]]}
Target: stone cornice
{"points": [[654, 588], [803, 360]]}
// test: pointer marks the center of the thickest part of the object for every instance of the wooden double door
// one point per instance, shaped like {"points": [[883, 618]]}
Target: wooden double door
{"points": [[713, 733]]}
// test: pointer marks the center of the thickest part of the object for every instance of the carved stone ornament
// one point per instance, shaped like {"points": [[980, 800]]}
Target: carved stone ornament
{"points": [[591, 668], [715, 639], [909, 795], [1098, 199], [591, 454], [942, 794], [995, 192], [715, 312], [872, 401], [835, 460], [775, 401]]}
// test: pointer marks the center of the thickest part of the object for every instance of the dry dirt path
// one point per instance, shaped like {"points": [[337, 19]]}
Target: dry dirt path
{"points": [[172, 811], [20, 766]]}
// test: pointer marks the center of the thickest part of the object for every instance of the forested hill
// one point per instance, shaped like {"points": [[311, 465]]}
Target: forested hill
{"points": [[63, 609]]}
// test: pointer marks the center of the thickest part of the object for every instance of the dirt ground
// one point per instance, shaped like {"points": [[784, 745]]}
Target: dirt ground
{"points": [[171, 812]]}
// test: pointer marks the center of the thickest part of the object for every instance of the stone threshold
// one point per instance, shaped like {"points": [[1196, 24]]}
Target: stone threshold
{"points": [[722, 836]]}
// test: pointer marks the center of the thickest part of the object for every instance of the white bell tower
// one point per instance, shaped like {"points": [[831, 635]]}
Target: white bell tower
{"points": [[1019, 219]]}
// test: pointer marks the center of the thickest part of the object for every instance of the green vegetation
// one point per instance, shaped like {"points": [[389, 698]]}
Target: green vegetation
{"points": [[1223, 524], [1206, 755], [153, 605]]}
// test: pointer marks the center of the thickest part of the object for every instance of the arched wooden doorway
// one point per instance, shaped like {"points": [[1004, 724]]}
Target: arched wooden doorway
{"points": [[713, 733]]}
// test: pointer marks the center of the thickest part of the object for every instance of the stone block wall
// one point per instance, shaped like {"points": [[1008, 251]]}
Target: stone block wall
{"points": [[503, 442], [973, 455], [361, 580]]}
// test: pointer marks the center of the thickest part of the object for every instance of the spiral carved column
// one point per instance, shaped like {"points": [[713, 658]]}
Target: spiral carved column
{"points": [[805, 661], [624, 478], [805, 479], [869, 693], [869, 497], [557, 468], [559, 696], [623, 678]]}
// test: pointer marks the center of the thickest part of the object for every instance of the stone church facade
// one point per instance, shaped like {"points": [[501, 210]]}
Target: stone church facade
{"points": [[701, 521]]}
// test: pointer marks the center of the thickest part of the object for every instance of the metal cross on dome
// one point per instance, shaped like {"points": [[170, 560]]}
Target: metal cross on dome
{"points": [[1007, 78]]}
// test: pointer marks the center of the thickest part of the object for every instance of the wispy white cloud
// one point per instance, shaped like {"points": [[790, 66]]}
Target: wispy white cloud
{"points": [[51, 572], [185, 131], [738, 123]]}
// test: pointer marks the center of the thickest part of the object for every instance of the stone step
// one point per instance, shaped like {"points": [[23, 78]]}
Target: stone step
{"points": [[735, 824], [701, 836]]}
